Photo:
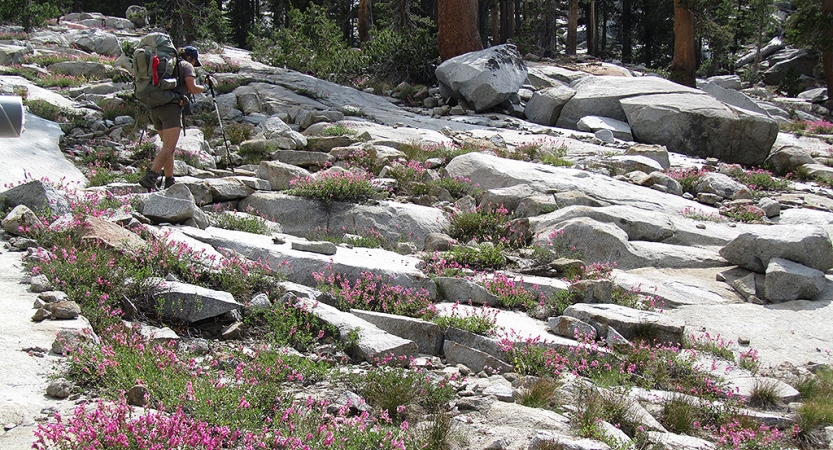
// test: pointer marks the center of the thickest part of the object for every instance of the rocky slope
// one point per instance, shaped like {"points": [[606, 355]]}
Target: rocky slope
{"points": [[761, 285]]}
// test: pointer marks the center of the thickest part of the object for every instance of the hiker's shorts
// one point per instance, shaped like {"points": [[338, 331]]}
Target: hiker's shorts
{"points": [[165, 116]]}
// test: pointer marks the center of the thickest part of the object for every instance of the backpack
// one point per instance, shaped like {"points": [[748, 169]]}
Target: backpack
{"points": [[155, 70]]}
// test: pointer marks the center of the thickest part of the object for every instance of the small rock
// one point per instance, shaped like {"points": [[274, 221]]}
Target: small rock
{"points": [[743, 340], [138, 395], [259, 302], [233, 331], [40, 283], [65, 310], [41, 314], [53, 296], [61, 388]]}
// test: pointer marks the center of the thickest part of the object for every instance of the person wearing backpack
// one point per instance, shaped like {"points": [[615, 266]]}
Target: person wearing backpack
{"points": [[167, 118]]}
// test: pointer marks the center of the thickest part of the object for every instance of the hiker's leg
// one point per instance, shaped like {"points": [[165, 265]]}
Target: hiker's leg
{"points": [[168, 125], [166, 120], [165, 158]]}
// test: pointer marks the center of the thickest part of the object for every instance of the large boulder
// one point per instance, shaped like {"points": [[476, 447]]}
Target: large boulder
{"points": [[38, 196], [699, 125], [629, 322], [393, 221], [787, 281], [173, 205], [485, 78], [789, 62], [137, 14], [88, 69], [619, 129], [192, 303], [805, 244], [730, 96], [600, 96], [95, 40], [12, 54], [545, 105], [771, 47]]}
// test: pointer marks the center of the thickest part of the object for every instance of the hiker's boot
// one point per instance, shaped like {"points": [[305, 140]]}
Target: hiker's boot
{"points": [[169, 181], [149, 180]]}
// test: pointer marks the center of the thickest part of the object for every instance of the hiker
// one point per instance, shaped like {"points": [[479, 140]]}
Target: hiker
{"points": [[167, 119]]}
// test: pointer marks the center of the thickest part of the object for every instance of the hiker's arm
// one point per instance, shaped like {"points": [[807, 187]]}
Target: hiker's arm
{"points": [[193, 87]]}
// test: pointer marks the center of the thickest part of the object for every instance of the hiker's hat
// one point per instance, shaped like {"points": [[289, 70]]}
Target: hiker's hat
{"points": [[194, 53]]}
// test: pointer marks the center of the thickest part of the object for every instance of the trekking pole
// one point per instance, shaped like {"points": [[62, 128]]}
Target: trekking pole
{"points": [[220, 121]]}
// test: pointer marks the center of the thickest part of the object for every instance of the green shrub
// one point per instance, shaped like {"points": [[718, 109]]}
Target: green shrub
{"points": [[541, 393], [551, 159], [757, 179], [374, 293], [13, 36], [480, 224], [687, 177], [479, 321], [716, 346], [113, 110], [458, 187], [612, 407], [511, 291], [226, 86], [101, 175], [238, 132], [797, 127], [256, 151], [765, 394], [59, 80], [312, 43], [742, 212], [409, 55], [290, 325], [401, 392], [333, 187], [101, 155], [54, 113], [339, 129], [309, 43], [816, 411], [481, 256], [242, 222], [680, 414], [362, 158]]}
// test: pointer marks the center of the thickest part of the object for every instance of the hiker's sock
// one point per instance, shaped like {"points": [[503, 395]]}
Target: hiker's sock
{"points": [[148, 181]]}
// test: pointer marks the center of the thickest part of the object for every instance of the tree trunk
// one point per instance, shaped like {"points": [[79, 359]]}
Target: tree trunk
{"points": [[483, 25], [627, 38], [603, 43], [507, 20], [27, 18], [457, 28], [684, 63], [827, 54], [404, 14], [592, 31], [550, 37], [572, 25], [365, 19], [495, 13]]}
